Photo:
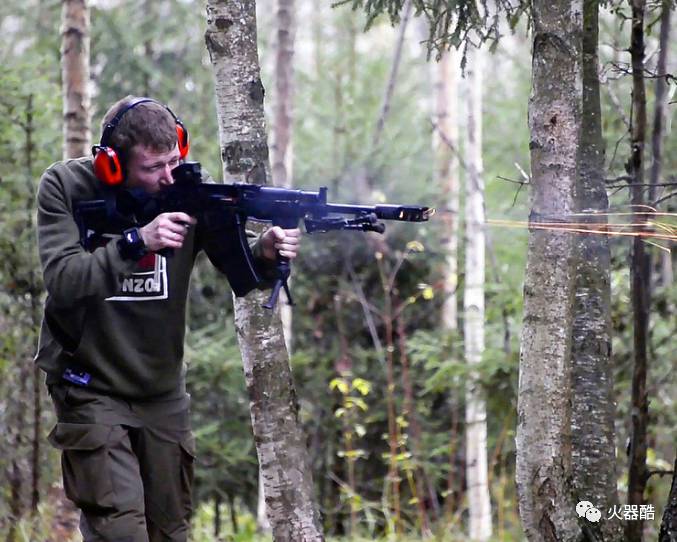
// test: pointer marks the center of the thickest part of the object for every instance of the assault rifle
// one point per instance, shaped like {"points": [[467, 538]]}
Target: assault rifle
{"points": [[229, 206]]}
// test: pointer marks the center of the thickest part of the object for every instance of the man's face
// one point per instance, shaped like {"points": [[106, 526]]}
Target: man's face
{"points": [[150, 169]]}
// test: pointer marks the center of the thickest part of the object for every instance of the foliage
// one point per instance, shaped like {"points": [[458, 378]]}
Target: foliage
{"points": [[451, 24], [27, 133], [220, 415]]}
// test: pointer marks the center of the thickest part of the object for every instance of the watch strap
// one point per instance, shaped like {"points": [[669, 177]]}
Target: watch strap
{"points": [[131, 245]]}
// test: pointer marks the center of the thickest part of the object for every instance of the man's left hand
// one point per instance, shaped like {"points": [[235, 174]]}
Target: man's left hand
{"points": [[276, 239]]}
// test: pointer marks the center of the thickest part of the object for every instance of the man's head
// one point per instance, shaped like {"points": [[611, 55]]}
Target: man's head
{"points": [[145, 138]]}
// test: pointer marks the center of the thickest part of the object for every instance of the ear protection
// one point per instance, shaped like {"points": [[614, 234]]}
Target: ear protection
{"points": [[107, 161]]}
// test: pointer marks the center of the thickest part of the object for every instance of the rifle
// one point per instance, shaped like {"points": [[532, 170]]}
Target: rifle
{"points": [[229, 206]]}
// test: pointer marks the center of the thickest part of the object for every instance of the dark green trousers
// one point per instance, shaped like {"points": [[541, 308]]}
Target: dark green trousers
{"points": [[128, 465]]}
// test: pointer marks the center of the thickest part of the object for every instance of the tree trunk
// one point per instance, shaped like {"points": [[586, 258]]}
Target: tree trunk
{"points": [[282, 157], [35, 315], [77, 136], [284, 82], [593, 411], [217, 515], [479, 505], [661, 101], [262, 523], [658, 130], [544, 404], [640, 276], [445, 146], [446, 173], [15, 470], [280, 442], [669, 523], [283, 119]]}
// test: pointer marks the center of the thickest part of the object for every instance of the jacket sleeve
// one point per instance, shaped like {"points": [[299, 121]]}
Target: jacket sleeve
{"points": [[71, 274]]}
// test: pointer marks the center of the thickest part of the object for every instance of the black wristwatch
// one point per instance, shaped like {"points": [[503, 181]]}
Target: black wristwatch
{"points": [[131, 245]]}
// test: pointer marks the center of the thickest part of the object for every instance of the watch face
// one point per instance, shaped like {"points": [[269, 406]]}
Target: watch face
{"points": [[131, 245], [132, 236]]}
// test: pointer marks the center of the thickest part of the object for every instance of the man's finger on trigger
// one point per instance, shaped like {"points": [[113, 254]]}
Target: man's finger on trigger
{"points": [[184, 218]]}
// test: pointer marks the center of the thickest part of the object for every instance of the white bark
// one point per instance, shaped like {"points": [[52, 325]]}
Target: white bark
{"points": [[77, 136], [445, 146], [280, 442], [479, 505], [282, 150], [262, 523], [445, 119]]}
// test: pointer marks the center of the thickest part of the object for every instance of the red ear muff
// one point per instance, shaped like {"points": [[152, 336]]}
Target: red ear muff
{"points": [[107, 166], [183, 139], [106, 160]]}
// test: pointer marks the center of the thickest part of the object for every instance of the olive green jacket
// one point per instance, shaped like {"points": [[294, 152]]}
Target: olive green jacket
{"points": [[118, 325]]}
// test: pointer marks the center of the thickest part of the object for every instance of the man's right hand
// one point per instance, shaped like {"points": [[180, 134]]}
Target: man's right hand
{"points": [[167, 230]]}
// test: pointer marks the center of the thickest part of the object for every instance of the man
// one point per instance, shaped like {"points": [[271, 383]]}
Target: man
{"points": [[112, 336]]}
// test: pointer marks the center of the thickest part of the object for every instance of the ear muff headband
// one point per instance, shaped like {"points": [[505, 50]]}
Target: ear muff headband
{"points": [[107, 161]]}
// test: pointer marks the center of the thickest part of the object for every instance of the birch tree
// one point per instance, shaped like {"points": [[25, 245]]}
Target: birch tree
{"points": [[282, 149], [282, 155], [479, 506], [284, 91], [593, 412], [77, 141], [544, 413], [280, 442], [445, 148], [77, 136]]}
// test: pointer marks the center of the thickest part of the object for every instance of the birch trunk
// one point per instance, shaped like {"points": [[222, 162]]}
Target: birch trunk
{"points": [[593, 411], [280, 442], [479, 505], [284, 91], [445, 146], [282, 120], [445, 149], [543, 436], [262, 523], [77, 136]]}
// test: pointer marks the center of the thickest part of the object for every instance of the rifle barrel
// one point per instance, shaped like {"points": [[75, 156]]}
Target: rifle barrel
{"points": [[406, 213]]}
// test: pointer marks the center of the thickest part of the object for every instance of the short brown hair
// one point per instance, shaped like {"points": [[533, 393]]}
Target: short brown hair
{"points": [[149, 124]]}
